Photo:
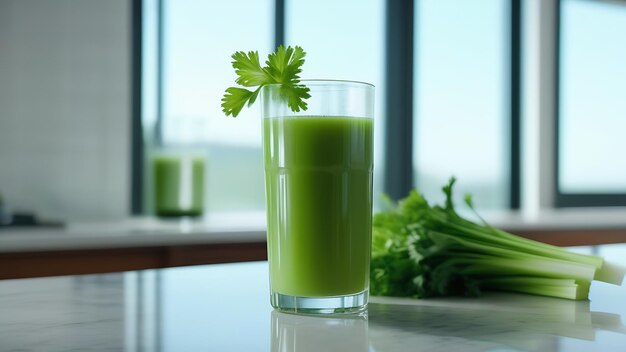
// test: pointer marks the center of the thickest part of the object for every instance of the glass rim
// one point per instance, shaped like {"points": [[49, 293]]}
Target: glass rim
{"points": [[322, 81]]}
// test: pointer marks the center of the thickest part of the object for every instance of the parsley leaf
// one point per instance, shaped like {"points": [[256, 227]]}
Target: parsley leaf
{"points": [[235, 99], [282, 67], [248, 68]]}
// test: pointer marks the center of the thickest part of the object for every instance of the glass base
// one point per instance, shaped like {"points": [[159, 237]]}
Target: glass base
{"points": [[349, 304]]}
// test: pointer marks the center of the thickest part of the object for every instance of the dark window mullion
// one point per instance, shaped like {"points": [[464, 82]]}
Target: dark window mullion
{"points": [[557, 102], [158, 128], [515, 101], [399, 28], [590, 199], [279, 23], [137, 158]]}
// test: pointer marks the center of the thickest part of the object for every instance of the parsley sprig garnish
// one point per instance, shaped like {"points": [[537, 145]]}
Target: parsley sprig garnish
{"points": [[281, 67]]}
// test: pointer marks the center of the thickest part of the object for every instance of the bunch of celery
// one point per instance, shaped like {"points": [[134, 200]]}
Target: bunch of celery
{"points": [[419, 250]]}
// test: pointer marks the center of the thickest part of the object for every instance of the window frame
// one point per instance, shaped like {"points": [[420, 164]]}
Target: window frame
{"points": [[400, 31], [564, 199]]}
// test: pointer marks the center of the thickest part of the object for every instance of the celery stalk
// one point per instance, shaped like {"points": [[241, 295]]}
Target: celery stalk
{"points": [[421, 250]]}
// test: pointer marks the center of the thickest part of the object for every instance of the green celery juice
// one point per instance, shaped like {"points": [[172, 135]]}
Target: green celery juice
{"points": [[178, 185], [318, 175]]}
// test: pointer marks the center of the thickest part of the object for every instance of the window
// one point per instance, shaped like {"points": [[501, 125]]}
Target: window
{"points": [[592, 109], [461, 99], [466, 96]]}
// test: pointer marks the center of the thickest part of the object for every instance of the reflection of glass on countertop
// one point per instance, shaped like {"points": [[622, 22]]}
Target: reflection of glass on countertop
{"points": [[302, 333]]}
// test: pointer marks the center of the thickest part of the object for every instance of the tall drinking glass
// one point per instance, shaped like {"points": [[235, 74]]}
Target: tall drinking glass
{"points": [[318, 184]]}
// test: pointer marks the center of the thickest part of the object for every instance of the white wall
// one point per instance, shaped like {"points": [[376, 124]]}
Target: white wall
{"points": [[65, 107]]}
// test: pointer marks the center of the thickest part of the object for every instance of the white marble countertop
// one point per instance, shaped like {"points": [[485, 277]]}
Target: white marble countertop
{"points": [[250, 227], [226, 308]]}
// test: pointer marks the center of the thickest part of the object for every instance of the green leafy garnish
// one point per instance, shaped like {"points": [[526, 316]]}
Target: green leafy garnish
{"points": [[419, 250], [282, 67]]}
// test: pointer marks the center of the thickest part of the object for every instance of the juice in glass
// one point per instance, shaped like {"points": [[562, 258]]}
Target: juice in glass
{"points": [[178, 185], [318, 177]]}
